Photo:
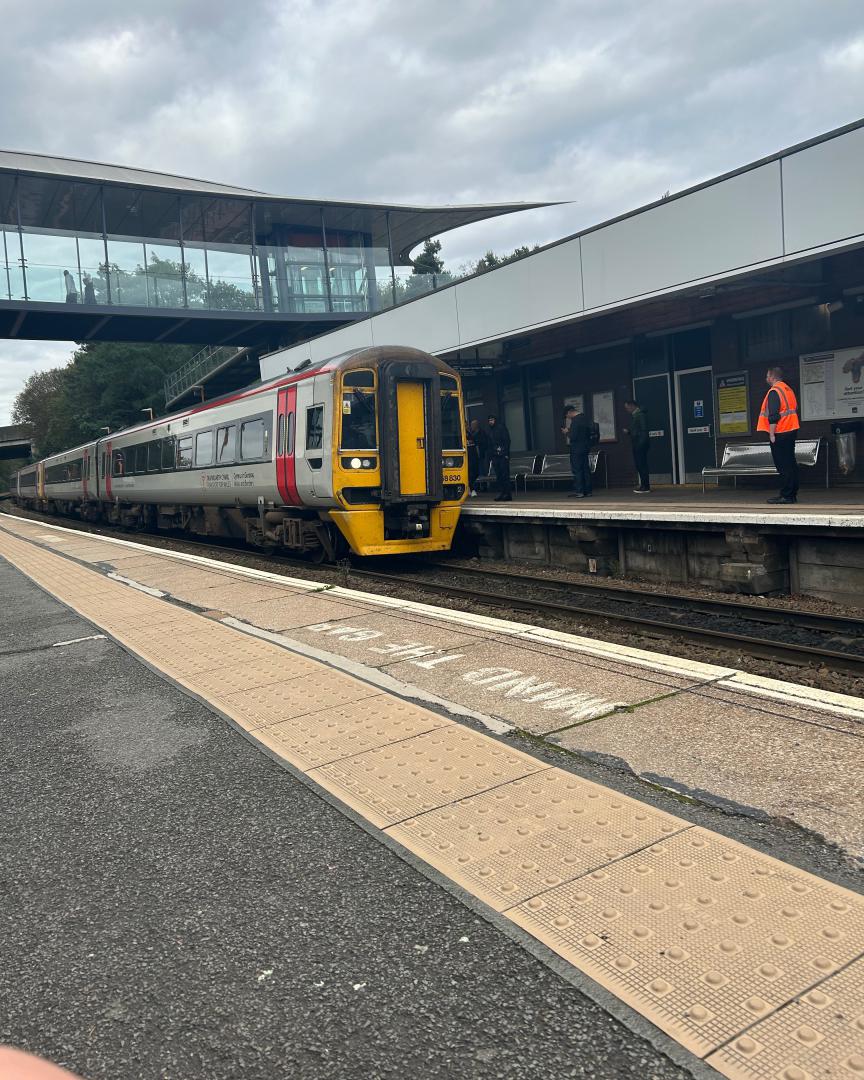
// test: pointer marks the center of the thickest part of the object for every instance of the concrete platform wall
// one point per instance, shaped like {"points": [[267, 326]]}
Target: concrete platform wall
{"points": [[735, 559]]}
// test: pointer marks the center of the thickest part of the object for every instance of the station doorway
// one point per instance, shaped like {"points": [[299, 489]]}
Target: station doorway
{"points": [[694, 396], [680, 410]]}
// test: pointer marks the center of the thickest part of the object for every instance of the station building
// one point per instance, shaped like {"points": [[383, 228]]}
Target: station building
{"points": [[682, 303]]}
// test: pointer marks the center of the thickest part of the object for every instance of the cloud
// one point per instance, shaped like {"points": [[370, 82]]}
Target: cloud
{"points": [[19, 360], [604, 106]]}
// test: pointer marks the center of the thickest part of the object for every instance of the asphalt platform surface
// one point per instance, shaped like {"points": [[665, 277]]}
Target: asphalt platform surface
{"points": [[175, 904]]}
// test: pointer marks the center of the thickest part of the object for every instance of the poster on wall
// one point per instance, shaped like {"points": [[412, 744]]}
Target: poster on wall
{"points": [[832, 384], [733, 406], [603, 414]]}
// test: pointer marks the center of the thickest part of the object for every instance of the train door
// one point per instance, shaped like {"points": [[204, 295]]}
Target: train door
{"points": [[286, 423], [411, 428], [85, 475]]}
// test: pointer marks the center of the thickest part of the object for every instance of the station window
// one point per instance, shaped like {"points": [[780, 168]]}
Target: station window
{"points": [[252, 440], [359, 428], [315, 427], [226, 444], [204, 448], [184, 452]]}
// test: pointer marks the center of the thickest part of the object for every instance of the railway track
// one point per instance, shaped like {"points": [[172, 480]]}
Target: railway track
{"points": [[778, 634]]}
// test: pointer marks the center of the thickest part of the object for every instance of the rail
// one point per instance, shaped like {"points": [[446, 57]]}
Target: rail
{"points": [[195, 369]]}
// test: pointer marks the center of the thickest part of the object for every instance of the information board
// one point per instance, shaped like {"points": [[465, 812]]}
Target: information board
{"points": [[603, 414], [733, 406], [832, 384]]}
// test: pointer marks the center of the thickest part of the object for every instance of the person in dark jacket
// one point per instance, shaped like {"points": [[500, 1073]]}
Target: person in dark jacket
{"points": [[639, 438], [499, 446], [580, 435], [478, 455]]}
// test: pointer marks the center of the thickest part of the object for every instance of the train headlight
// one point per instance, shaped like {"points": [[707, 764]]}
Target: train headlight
{"points": [[356, 463], [367, 464], [452, 462]]}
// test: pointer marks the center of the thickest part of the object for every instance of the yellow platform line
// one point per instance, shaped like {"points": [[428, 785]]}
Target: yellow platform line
{"points": [[754, 966]]}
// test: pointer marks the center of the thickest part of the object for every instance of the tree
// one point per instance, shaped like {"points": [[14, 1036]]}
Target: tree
{"points": [[103, 385], [429, 261]]}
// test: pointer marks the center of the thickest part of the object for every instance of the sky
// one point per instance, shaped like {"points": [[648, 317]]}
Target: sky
{"points": [[604, 106]]}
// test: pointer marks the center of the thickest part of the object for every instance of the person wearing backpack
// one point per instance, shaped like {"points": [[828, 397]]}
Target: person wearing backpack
{"points": [[581, 435]]}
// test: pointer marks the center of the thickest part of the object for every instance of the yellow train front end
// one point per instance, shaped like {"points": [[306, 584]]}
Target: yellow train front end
{"points": [[400, 468]]}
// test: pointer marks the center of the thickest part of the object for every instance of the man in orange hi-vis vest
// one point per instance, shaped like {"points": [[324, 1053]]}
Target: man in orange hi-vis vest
{"points": [[779, 417]]}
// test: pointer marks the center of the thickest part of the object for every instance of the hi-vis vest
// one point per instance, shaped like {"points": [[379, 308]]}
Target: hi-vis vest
{"points": [[788, 410]]}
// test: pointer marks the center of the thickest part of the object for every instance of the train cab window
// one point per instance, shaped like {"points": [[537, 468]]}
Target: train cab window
{"points": [[168, 452], [204, 448], [315, 427], [184, 452], [359, 428], [118, 463], [226, 444], [451, 422], [253, 443], [448, 382]]}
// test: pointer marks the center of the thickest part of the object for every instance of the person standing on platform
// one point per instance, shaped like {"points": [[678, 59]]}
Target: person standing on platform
{"points": [[579, 432], [641, 442], [499, 446], [779, 417], [478, 455]]}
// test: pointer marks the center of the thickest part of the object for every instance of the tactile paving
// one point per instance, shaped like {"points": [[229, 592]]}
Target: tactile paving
{"points": [[260, 669], [819, 1034], [400, 781], [321, 737], [750, 963], [700, 934], [532, 834], [262, 706]]}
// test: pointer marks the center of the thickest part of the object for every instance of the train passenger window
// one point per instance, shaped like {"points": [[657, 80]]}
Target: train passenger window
{"points": [[168, 453], [204, 448], [359, 378], [118, 463], [451, 422], [315, 427], [226, 444], [184, 452], [252, 442], [154, 456]]}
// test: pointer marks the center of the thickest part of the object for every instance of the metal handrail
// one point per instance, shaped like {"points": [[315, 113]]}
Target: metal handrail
{"points": [[202, 363]]}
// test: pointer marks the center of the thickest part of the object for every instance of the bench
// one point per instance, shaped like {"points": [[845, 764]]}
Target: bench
{"points": [[754, 459], [557, 467], [520, 466]]}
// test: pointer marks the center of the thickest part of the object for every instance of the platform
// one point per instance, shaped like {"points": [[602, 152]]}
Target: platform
{"points": [[728, 539], [414, 728]]}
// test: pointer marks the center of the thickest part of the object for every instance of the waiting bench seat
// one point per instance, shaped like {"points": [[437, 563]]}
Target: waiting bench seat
{"points": [[557, 467], [542, 467], [754, 459]]}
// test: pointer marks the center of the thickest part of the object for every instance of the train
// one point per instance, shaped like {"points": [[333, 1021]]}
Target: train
{"points": [[363, 452]]}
